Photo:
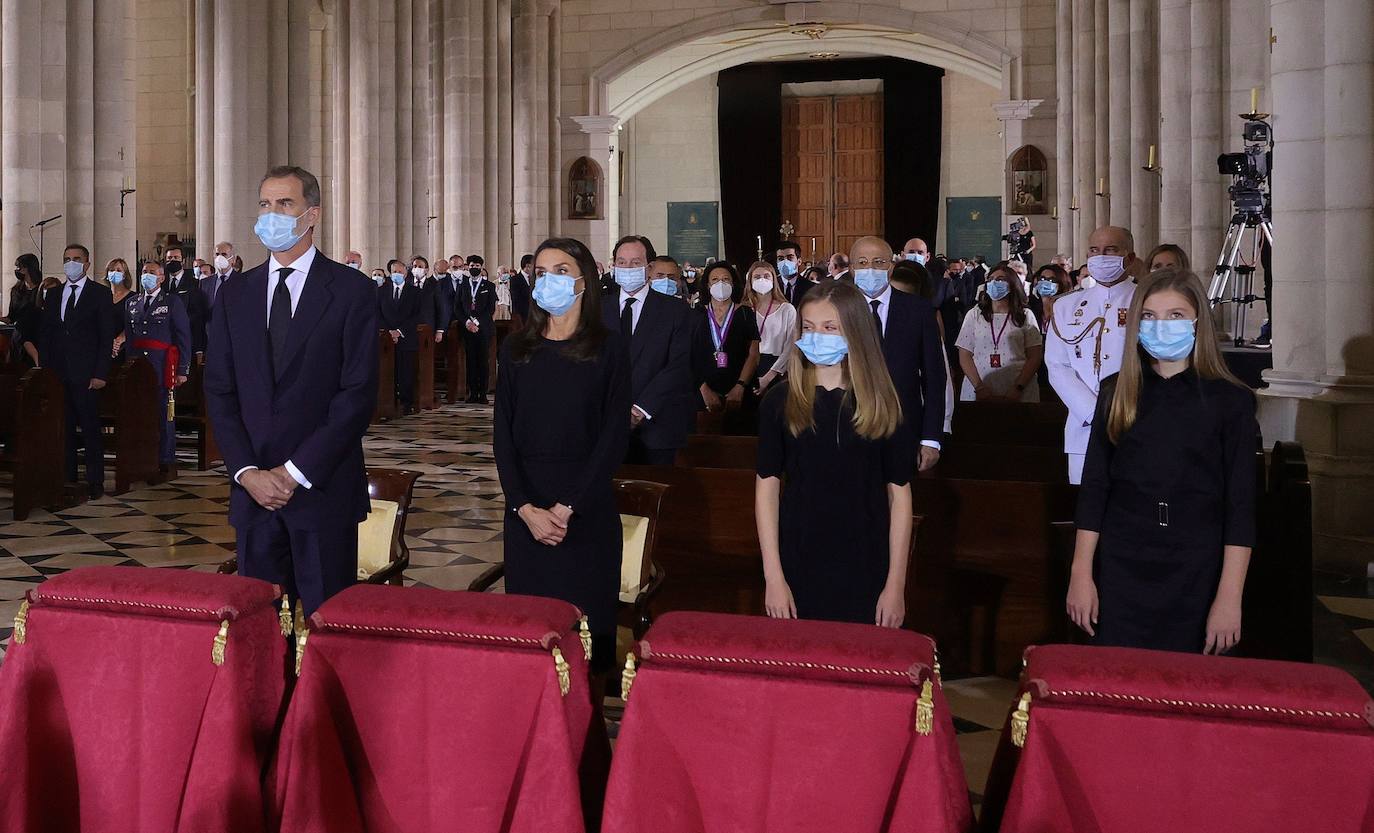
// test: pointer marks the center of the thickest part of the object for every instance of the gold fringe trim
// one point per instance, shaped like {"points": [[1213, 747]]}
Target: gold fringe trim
{"points": [[937, 667], [564, 677], [1020, 721], [301, 637], [627, 677], [300, 618], [221, 641], [586, 634], [285, 615], [21, 623], [925, 709]]}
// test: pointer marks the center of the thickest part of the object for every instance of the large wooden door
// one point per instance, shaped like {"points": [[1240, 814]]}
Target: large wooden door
{"points": [[832, 169]]}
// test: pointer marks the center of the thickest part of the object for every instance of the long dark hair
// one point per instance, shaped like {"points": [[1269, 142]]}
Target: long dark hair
{"points": [[586, 341], [736, 285], [1016, 296], [28, 264]]}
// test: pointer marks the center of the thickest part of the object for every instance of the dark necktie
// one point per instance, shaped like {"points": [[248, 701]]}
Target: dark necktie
{"points": [[279, 319], [877, 319], [71, 304], [627, 318], [396, 296]]}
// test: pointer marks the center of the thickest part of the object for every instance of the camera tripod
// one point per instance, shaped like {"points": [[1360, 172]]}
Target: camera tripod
{"points": [[1239, 279]]}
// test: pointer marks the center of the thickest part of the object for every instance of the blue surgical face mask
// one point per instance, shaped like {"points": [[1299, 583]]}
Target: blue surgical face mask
{"points": [[787, 268], [871, 281], [1168, 340], [554, 293], [919, 257], [998, 289], [630, 278], [115, 278], [1046, 288], [73, 270], [667, 286], [398, 278], [278, 231], [824, 349], [149, 281]]}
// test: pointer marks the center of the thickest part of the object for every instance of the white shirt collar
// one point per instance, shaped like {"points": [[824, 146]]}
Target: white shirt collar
{"points": [[300, 265], [883, 298], [638, 296], [79, 285]]}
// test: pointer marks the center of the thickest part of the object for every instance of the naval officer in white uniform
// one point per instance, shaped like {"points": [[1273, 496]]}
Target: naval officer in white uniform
{"points": [[1087, 335]]}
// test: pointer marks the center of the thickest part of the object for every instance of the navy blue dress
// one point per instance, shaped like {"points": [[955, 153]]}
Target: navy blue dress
{"points": [[1166, 499], [833, 515]]}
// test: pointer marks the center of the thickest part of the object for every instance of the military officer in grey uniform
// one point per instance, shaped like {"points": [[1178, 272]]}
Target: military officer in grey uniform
{"points": [[1087, 335], [156, 325]]}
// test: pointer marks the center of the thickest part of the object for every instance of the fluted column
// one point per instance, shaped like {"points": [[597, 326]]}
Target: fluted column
{"points": [[1208, 222], [1144, 121], [241, 128], [1176, 132], [1119, 164], [504, 105], [1102, 111], [1084, 122], [205, 116], [1064, 124]]}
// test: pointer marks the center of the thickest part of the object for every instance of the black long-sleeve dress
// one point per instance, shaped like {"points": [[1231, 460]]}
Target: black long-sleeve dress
{"points": [[1177, 488], [835, 554], [561, 427]]}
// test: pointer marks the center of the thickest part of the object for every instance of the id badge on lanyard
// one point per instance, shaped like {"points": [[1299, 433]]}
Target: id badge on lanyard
{"points": [[718, 334]]}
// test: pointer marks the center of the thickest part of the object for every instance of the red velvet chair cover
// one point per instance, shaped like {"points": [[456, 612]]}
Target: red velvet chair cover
{"points": [[1127, 740], [136, 699], [423, 710], [743, 723]]}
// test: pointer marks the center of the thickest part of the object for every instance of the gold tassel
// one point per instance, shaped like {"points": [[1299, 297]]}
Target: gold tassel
{"points": [[925, 709], [285, 615], [21, 623], [301, 637], [627, 677], [221, 641], [171, 405], [300, 618], [564, 678], [586, 634], [1020, 721]]}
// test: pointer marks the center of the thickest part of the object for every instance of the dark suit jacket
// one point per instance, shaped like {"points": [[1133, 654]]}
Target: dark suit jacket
{"points": [[445, 305], [314, 409], [404, 315], [660, 367], [520, 295], [197, 308], [799, 289], [78, 349], [207, 289], [482, 307], [911, 345]]}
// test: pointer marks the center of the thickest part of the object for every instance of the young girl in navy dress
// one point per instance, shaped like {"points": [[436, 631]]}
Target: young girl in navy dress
{"points": [[1166, 515], [835, 429]]}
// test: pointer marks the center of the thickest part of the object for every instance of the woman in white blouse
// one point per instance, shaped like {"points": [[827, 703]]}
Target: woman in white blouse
{"points": [[777, 322], [1000, 345]]}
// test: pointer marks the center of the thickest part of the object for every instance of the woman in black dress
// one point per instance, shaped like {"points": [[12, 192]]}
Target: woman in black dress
{"points": [[560, 432], [835, 429], [725, 350], [1166, 515]]}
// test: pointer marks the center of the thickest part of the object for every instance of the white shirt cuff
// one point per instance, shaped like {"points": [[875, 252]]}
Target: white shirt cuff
{"points": [[931, 444], [240, 472], [296, 474], [642, 412]]}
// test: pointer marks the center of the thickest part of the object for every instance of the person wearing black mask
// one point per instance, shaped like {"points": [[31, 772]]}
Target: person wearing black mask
{"points": [[180, 282], [25, 311], [689, 279], [477, 303]]}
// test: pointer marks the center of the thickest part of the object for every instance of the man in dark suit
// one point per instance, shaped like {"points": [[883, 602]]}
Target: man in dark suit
{"points": [[477, 306], [658, 329], [74, 341], [221, 270], [180, 282], [911, 344], [445, 301], [521, 284], [290, 385], [794, 286], [399, 313]]}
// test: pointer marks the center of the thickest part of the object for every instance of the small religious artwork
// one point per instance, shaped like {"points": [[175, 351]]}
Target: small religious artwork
{"points": [[1027, 174], [584, 190]]}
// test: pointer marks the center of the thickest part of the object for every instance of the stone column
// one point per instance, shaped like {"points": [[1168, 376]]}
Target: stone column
{"points": [[1175, 129], [1208, 222], [505, 179], [241, 128], [1063, 129], [1144, 121], [1119, 80], [530, 127], [593, 137], [1084, 124], [554, 126], [1102, 112], [114, 116], [204, 209]]}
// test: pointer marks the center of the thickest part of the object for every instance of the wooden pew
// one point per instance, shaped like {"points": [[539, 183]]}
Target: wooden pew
{"points": [[424, 372], [1010, 423], [191, 416], [386, 378], [32, 429], [132, 415]]}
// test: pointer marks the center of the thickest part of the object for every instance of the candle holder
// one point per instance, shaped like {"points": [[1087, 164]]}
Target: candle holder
{"points": [[1073, 206]]}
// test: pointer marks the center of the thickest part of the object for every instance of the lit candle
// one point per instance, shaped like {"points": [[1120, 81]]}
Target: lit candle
{"points": [[813, 247], [1101, 186], [760, 237], [1073, 204], [1152, 157], [1054, 213], [1254, 99]]}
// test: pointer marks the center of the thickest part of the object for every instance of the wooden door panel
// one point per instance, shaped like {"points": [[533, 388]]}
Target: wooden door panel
{"points": [[832, 169]]}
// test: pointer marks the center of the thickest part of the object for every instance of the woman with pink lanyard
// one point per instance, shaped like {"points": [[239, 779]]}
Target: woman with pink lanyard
{"points": [[1000, 344], [725, 343], [777, 322]]}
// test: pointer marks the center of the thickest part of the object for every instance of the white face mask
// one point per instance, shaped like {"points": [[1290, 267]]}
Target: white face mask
{"points": [[763, 286], [1106, 268], [417, 272], [721, 291], [221, 263]]}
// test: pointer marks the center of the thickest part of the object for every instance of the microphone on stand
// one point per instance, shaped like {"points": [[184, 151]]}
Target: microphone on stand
{"points": [[42, 223]]}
